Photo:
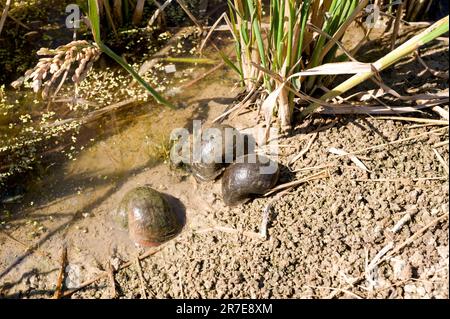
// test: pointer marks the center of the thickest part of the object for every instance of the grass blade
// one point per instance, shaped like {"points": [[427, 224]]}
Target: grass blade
{"points": [[435, 30], [95, 24]]}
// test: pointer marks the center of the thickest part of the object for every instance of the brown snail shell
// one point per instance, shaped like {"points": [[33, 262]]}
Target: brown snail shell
{"points": [[208, 169], [149, 216], [244, 178]]}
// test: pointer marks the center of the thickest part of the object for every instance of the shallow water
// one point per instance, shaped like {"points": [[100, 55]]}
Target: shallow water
{"points": [[121, 139], [72, 198]]}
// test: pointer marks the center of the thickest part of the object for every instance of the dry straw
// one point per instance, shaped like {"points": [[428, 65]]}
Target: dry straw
{"points": [[58, 62]]}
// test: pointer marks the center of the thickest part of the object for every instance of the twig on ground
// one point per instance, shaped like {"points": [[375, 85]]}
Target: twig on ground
{"points": [[353, 158], [441, 160], [350, 286], [59, 283], [412, 238], [265, 219], [443, 39], [376, 109], [266, 213], [402, 222], [87, 283], [440, 144], [442, 112], [312, 168], [397, 249], [158, 11], [416, 126], [419, 99], [320, 175], [375, 261], [112, 281], [412, 119], [248, 97], [438, 74], [25, 246], [304, 150]]}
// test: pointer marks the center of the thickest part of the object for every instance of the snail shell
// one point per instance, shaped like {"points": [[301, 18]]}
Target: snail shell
{"points": [[211, 149], [247, 177], [149, 216]]}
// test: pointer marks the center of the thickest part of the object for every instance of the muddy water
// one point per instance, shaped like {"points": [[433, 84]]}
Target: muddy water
{"points": [[119, 140], [72, 202], [140, 137]]}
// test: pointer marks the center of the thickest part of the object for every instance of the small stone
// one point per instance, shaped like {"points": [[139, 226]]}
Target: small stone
{"points": [[410, 288], [208, 284], [435, 211], [115, 263], [421, 291], [406, 272], [220, 293], [73, 276], [33, 281], [428, 287], [411, 209], [416, 259], [397, 267], [443, 252], [210, 198]]}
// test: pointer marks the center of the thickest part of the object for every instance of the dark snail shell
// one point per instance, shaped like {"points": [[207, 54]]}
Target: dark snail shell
{"points": [[247, 177], [149, 217], [208, 168]]}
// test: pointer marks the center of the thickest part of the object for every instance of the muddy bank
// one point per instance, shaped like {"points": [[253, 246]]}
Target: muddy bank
{"points": [[322, 236]]}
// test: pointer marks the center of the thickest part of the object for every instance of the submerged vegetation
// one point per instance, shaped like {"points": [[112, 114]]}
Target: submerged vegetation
{"points": [[22, 135], [72, 91]]}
